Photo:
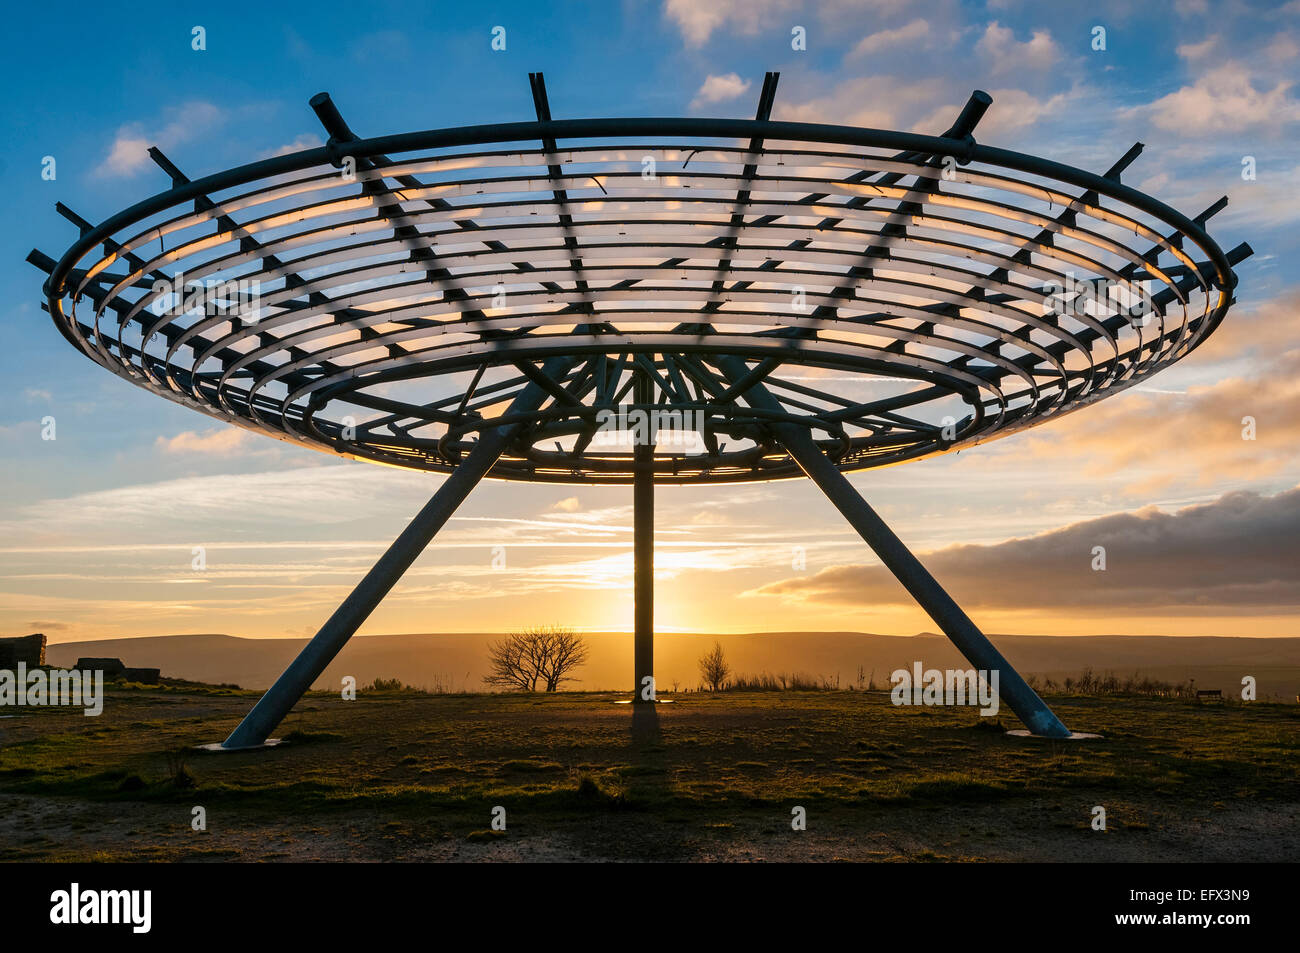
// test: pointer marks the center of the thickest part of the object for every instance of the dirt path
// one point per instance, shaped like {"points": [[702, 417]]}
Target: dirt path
{"points": [[1031, 831]]}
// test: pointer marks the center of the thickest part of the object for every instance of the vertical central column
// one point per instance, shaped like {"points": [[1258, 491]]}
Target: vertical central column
{"points": [[643, 549]]}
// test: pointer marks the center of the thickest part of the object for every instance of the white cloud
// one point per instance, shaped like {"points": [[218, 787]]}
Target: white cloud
{"points": [[878, 102], [925, 106], [888, 39], [129, 152], [1000, 45], [1283, 49], [1270, 201], [1196, 51], [220, 504], [717, 89], [697, 21], [307, 140], [1223, 100], [1015, 109]]}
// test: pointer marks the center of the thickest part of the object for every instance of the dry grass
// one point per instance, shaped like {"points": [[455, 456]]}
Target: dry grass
{"points": [[709, 762]]}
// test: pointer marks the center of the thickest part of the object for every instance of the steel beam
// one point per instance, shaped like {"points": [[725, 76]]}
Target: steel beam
{"points": [[258, 724], [643, 552], [925, 589]]}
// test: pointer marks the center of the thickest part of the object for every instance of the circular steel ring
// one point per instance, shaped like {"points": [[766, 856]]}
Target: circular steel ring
{"points": [[900, 295]]}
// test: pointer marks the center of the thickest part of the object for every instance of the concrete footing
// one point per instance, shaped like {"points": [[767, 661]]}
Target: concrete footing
{"points": [[218, 748]]}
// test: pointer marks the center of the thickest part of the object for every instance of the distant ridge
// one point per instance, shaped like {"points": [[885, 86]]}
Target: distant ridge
{"points": [[456, 660]]}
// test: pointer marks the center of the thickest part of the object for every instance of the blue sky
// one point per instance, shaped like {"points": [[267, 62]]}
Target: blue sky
{"points": [[99, 524]]}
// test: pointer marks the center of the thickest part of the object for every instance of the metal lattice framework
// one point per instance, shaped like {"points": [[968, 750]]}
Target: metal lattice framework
{"points": [[483, 301], [900, 295]]}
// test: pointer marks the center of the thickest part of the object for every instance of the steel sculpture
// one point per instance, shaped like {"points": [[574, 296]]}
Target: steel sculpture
{"points": [[534, 300]]}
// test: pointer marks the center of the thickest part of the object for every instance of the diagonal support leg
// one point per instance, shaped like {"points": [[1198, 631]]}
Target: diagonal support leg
{"points": [[970, 641], [334, 634]]}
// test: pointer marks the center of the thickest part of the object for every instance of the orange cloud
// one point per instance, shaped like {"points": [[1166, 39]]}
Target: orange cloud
{"points": [[220, 440], [1200, 432]]}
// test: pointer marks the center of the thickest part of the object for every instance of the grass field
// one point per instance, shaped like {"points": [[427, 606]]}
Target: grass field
{"points": [[409, 776]]}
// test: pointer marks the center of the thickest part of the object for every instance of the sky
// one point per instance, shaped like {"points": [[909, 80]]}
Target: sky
{"points": [[98, 527]]}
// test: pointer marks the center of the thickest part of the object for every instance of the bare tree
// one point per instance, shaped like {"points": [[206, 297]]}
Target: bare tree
{"points": [[563, 651], [714, 668], [545, 655], [511, 665]]}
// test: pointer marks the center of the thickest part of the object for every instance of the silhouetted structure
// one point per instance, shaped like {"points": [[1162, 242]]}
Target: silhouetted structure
{"points": [[534, 300], [142, 676], [27, 649], [111, 667]]}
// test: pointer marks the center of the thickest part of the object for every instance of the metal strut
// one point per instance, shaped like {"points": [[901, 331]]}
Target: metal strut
{"points": [[258, 724], [925, 589]]}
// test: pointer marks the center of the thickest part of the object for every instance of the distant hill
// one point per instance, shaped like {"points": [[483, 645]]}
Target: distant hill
{"points": [[457, 661]]}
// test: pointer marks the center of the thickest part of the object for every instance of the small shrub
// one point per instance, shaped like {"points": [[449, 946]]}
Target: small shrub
{"points": [[1090, 683], [590, 793], [798, 682], [177, 773], [391, 685]]}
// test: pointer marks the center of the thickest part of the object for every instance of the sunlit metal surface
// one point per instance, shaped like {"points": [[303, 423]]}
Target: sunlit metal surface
{"points": [[900, 295]]}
